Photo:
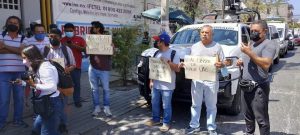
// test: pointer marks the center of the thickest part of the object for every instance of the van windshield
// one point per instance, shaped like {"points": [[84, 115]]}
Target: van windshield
{"points": [[191, 36]]}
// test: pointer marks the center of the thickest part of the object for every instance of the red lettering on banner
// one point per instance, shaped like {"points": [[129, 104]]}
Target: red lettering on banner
{"points": [[76, 30]]}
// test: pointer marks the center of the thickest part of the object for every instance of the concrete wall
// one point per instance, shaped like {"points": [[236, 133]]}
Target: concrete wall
{"points": [[31, 12]]}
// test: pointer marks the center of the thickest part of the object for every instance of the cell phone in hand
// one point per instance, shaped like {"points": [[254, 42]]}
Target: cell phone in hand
{"points": [[245, 39]]}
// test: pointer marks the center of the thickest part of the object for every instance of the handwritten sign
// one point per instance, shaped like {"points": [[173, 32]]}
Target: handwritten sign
{"points": [[60, 61], [99, 44], [159, 70], [200, 68]]}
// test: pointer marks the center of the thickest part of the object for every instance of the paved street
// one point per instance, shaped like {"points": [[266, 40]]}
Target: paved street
{"points": [[130, 112]]}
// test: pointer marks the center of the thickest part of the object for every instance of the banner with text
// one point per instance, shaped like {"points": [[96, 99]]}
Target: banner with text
{"points": [[159, 70], [200, 68], [99, 44]]}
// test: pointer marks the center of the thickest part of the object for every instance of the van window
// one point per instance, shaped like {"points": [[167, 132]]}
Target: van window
{"points": [[280, 31]]}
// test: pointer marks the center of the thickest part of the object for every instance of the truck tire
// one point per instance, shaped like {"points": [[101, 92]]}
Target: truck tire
{"points": [[235, 107]]}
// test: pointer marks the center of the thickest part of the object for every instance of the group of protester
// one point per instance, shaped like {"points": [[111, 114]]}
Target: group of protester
{"points": [[256, 59], [20, 55]]}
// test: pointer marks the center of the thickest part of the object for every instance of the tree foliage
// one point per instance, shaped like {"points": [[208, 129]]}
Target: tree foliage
{"points": [[125, 40]]}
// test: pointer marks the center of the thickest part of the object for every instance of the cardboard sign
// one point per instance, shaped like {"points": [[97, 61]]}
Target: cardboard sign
{"points": [[60, 61], [200, 68], [159, 70], [99, 44]]}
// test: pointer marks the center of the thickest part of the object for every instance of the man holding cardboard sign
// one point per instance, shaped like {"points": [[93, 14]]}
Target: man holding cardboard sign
{"points": [[100, 66], [206, 57], [162, 71]]}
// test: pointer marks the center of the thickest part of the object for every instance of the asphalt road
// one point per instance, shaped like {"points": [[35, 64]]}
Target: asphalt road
{"points": [[284, 109]]}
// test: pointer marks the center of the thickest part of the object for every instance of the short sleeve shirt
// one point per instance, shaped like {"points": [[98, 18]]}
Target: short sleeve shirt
{"points": [[211, 50], [252, 71], [39, 44], [165, 85], [78, 41]]}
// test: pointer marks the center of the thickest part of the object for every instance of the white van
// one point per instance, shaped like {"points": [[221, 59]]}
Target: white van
{"points": [[283, 30]]}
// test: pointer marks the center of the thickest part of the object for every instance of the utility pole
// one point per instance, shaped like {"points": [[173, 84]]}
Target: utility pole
{"points": [[165, 17]]}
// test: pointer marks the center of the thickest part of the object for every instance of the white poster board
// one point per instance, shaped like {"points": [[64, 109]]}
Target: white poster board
{"points": [[99, 44], [200, 68], [60, 61], [159, 70]]}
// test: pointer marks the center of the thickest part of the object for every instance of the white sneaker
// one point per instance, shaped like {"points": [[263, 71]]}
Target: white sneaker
{"points": [[107, 111], [96, 111]]}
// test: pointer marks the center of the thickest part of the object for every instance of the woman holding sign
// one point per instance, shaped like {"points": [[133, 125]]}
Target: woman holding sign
{"points": [[204, 88], [163, 83]]}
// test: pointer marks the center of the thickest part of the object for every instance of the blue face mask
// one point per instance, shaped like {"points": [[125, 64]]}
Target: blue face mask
{"points": [[69, 34], [224, 71], [40, 36]]}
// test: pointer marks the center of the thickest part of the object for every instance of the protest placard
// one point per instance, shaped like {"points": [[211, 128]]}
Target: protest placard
{"points": [[200, 68], [99, 44], [159, 70], [60, 61]]}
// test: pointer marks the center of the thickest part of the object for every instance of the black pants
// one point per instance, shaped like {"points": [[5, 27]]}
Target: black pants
{"points": [[255, 105]]}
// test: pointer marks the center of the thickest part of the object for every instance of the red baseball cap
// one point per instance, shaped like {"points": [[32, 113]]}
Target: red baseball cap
{"points": [[156, 38]]}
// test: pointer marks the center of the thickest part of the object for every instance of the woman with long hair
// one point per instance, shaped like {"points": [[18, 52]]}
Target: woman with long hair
{"points": [[44, 83]]}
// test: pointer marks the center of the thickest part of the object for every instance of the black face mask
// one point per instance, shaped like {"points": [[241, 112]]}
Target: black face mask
{"points": [[155, 44], [255, 36], [12, 28], [54, 42]]}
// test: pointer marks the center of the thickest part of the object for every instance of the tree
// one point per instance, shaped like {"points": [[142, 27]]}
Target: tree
{"points": [[125, 40]]}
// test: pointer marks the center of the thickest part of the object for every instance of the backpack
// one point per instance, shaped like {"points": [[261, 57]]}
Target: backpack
{"points": [[64, 51], [172, 54], [22, 38], [65, 82]]}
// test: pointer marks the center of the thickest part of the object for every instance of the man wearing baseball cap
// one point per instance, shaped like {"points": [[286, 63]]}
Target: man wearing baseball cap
{"points": [[163, 90]]}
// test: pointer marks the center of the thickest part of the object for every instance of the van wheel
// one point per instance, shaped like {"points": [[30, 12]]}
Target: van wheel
{"points": [[276, 61], [235, 108]]}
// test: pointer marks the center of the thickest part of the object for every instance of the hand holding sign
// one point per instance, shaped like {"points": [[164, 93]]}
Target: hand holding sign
{"points": [[99, 44]]}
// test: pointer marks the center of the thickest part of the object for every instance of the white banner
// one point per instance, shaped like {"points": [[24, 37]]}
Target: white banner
{"points": [[99, 44], [111, 12], [200, 68], [159, 70]]}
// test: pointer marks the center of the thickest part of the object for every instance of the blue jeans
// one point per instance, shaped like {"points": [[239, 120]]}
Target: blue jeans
{"points": [[76, 75], [49, 126], [208, 91], [5, 91], [62, 113], [94, 77], [166, 97]]}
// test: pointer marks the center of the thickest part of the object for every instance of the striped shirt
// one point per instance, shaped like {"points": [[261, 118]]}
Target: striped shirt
{"points": [[58, 53], [40, 45], [12, 62]]}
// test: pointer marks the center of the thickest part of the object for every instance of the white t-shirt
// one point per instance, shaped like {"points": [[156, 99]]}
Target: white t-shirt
{"points": [[165, 85], [210, 50]]}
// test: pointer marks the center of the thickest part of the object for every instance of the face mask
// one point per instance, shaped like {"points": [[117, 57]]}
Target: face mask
{"points": [[255, 36], [27, 63], [69, 34], [224, 71], [12, 28], [39, 36], [54, 42], [155, 44]]}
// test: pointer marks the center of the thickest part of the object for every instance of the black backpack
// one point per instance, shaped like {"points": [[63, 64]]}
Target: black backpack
{"points": [[64, 79], [64, 51], [22, 38]]}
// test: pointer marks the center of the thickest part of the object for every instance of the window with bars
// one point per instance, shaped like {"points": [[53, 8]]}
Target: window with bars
{"points": [[9, 4]]}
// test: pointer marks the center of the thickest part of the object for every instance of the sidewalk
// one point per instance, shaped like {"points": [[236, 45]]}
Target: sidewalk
{"points": [[80, 120]]}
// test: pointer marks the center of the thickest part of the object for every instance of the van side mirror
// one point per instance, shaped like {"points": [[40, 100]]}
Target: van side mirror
{"points": [[275, 35]]}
